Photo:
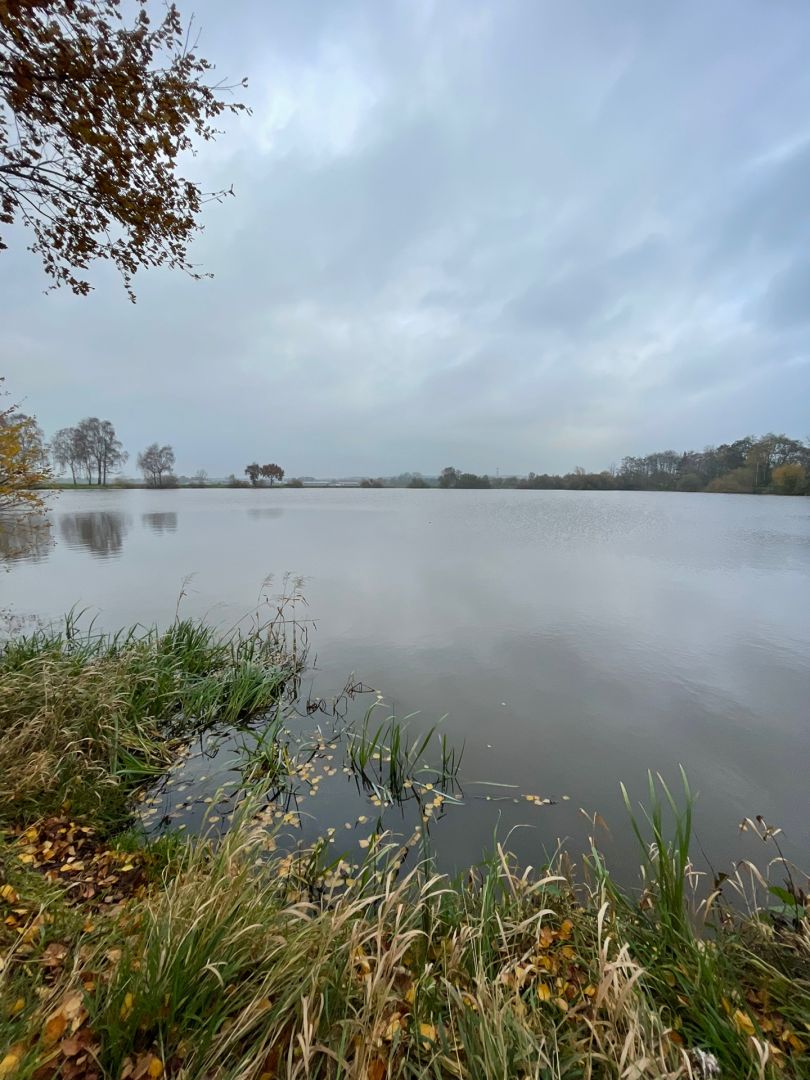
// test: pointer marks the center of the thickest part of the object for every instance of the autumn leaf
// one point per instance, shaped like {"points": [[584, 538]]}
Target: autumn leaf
{"points": [[743, 1022], [10, 1063], [375, 1070], [54, 1028], [393, 1027]]}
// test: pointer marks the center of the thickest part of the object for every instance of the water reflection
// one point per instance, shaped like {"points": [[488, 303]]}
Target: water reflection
{"points": [[24, 538], [265, 512], [101, 532], [160, 522], [574, 638]]}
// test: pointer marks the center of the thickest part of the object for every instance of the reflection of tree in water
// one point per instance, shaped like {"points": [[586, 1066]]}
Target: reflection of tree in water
{"points": [[24, 538], [102, 531], [164, 521]]}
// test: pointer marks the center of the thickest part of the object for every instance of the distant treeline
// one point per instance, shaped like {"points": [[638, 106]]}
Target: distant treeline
{"points": [[769, 464]]}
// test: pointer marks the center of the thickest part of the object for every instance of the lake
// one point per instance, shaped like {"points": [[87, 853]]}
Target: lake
{"points": [[570, 640]]}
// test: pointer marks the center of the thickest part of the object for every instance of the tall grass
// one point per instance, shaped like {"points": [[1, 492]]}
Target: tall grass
{"points": [[230, 969], [86, 717]]}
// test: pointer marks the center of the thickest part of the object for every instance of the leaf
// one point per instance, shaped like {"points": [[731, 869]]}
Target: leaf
{"points": [[9, 894], [743, 1022], [375, 1070], [9, 1064], [783, 895], [54, 1028], [54, 955], [393, 1028], [427, 1031]]}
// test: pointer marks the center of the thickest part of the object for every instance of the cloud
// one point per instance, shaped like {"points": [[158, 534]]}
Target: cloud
{"points": [[517, 235]]}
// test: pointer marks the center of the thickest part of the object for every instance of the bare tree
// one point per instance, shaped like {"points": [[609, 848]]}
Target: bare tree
{"points": [[156, 464], [253, 471], [64, 452], [96, 441]]}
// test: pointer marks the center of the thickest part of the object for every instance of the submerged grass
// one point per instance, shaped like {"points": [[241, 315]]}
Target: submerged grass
{"points": [[232, 960], [387, 762]]}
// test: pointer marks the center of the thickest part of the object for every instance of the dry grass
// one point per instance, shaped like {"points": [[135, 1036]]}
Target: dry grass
{"points": [[228, 969]]}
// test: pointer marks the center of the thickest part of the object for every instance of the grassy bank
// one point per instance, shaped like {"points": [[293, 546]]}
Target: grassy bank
{"points": [[226, 957]]}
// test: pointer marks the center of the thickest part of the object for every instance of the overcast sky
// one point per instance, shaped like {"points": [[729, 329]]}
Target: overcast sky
{"points": [[514, 235]]}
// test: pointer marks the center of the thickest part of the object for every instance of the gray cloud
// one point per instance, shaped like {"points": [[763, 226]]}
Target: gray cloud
{"points": [[517, 235]]}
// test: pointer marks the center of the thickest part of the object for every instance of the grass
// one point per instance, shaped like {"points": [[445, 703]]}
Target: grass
{"points": [[390, 764], [227, 958], [87, 718]]}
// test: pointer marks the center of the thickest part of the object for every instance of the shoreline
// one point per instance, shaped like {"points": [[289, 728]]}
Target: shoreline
{"points": [[226, 954]]}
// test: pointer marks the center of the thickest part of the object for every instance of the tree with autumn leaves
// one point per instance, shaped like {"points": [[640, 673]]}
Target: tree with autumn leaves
{"points": [[271, 472], [23, 461], [99, 104]]}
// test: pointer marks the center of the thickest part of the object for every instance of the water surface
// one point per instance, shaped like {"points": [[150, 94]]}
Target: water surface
{"points": [[572, 639]]}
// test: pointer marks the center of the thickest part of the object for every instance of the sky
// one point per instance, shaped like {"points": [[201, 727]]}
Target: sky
{"points": [[508, 235]]}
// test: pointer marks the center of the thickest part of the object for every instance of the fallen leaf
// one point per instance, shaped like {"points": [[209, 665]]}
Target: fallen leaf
{"points": [[9, 1064], [54, 955], [375, 1070], [743, 1022], [54, 1028], [394, 1026]]}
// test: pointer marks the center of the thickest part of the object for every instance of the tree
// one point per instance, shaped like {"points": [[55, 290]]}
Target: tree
{"points": [[156, 464], [272, 473], [96, 114], [253, 472], [739, 481], [448, 477], [417, 481], [471, 480], [65, 452], [97, 442], [23, 461], [790, 479], [199, 479]]}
